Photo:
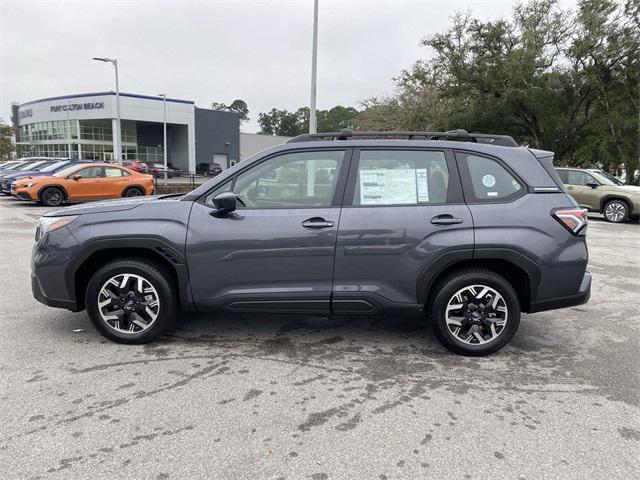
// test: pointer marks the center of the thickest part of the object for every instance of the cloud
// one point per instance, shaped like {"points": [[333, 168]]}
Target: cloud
{"points": [[217, 51]]}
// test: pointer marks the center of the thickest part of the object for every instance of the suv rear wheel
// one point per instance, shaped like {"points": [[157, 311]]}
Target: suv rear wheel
{"points": [[131, 301], [475, 312], [616, 211]]}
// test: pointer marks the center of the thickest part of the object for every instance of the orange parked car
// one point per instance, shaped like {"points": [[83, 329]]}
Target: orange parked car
{"points": [[84, 182]]}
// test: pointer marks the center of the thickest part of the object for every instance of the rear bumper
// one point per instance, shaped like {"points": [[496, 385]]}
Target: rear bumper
{"points": [[579, 298]]}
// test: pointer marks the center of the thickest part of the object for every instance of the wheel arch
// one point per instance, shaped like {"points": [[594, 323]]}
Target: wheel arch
{"points": [[521, 272], [49, 185], [612, 196], [100, 252], [133, 185]]}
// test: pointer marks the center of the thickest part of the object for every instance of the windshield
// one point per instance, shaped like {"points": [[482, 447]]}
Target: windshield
{"points": [[28, 165], [10, 165], [53, 167], [65, 172], [606, 179]]}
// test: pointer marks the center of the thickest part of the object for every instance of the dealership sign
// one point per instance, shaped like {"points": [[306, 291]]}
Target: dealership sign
{"points": [[67, 107], [25, 113]]}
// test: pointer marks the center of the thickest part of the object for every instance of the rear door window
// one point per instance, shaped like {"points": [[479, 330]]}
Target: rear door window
{"points": [[576, 177], [487, 180], [401, 177]]}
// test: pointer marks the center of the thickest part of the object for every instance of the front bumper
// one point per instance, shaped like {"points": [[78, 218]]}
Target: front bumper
{"points": [[38, 294], [580, 298]]}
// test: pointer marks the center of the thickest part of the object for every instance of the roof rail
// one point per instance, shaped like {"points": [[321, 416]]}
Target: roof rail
{"points": [[503, 140]]}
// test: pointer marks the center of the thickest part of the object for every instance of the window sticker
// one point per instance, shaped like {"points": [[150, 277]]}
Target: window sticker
{"points": [[488, 181], [422, 185], [384, 186]]}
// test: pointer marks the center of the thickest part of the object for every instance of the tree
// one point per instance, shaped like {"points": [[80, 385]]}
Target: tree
{"points": [[7, 147], [553, 79], [238, 106], [283, 122]]}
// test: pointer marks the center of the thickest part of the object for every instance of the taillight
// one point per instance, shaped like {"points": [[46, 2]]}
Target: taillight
{"points": [[573, 219]]}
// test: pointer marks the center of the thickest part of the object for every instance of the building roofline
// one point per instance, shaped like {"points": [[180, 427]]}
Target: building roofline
{"points": [[94, 94]]}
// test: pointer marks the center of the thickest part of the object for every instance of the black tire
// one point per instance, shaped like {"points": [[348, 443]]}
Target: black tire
{"points": [[133, 192], [616, 211], [52, 196], [446, 290], [157, 276]]}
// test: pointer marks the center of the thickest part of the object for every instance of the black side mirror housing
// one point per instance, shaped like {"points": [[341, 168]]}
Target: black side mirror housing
{"points": [[77, 177], [592, 185], [225, 203]]}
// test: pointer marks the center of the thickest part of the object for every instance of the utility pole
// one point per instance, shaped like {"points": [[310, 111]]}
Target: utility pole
{"points": [[313, 128], [117, 144]]}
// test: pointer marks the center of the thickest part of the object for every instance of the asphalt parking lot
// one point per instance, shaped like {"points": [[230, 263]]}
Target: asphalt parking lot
{"points": [[307, 397]]}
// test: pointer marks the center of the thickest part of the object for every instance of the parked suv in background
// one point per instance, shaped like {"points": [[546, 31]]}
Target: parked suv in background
{"points": [[212, 169], [472, 233], [600, 192]]}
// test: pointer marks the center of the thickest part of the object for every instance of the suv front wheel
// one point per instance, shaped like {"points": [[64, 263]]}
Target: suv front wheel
{"points": [[131, 301], [474, 312]]}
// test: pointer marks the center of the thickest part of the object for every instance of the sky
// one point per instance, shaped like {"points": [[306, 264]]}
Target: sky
{"points": [[217, 51]]}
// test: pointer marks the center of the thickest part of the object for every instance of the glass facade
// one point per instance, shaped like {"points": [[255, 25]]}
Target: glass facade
{"points": [[151, 154], [48, 150], [95, 142], [58, 130]]}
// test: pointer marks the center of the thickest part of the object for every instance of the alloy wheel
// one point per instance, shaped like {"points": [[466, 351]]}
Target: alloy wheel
{"points": [[476, 314], [128, 303], [615, 212], [52, 197], [134, 192]]}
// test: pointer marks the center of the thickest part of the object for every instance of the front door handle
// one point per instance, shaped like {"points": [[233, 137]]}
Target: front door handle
{"points": [[445, 219], [316, 223]]}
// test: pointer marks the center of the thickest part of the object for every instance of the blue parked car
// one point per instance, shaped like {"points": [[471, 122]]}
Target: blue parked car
{"points": [[38, 169]]}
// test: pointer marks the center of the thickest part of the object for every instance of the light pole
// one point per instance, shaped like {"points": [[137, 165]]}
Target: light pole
{"points": [[314, 66], [117, 147], [164, 142], [68, 131]]}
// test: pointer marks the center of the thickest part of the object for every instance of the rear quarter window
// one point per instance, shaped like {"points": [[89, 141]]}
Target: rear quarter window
{"points": [[487, 180]]}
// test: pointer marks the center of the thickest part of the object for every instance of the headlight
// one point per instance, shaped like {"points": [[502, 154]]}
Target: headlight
{"points": [[49, 224], [26, 185]]}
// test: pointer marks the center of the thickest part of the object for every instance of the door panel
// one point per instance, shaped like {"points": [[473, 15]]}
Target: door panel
{"points": [[405, 212], [276, 251], [89, 186], [114, 182], [383, 251], [584, 194], [257, 259]]}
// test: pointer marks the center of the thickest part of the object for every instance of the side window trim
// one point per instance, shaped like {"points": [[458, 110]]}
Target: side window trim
{"points": [[454, 190], [467, 185], [338, 194]]}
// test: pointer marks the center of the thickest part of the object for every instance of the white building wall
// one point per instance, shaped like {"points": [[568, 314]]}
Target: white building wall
{"points": [[251, 143], [103, 106]]}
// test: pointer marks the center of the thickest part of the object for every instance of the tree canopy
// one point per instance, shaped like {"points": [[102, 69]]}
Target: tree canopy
{"points": [[283, 122], [238, 106], [552, 78]]}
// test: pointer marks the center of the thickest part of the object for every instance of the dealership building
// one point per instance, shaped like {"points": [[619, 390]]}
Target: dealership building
{"points": [[84, 126]]}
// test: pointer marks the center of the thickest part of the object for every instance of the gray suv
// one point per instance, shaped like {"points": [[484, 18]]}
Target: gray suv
{"points": [[469, 229]]}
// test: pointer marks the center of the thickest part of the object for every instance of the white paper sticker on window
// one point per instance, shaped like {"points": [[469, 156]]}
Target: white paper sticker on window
{"points": [[422, 184], [384, 186]]}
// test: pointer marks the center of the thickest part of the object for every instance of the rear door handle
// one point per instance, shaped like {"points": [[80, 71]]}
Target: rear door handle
{"points": [[445, 219], [316, 223]]}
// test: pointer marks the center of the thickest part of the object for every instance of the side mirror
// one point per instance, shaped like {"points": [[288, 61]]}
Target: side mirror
{"points": [[593, 185], [76, 177], [225, 203]]}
